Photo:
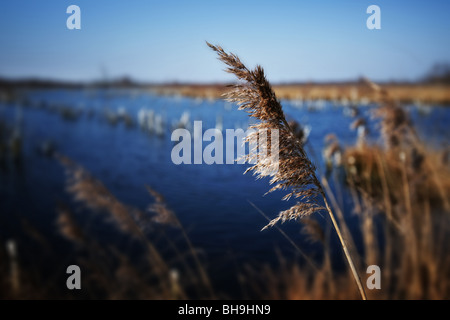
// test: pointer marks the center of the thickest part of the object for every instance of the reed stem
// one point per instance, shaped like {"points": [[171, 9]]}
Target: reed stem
{"points": [[346, 252]]}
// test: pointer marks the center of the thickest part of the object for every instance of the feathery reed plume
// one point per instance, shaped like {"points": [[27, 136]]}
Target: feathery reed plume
{"points": [[358, 123], [300, 133], [404, 147], [131, 221], [396, 126], [166, 216], [294, 169], [95, 196], [68, 227], [163, 215], [313, 230], [332, 152]]}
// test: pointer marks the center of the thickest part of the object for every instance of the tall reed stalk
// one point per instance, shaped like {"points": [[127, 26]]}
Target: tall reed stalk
{"points": [[293, 169]]}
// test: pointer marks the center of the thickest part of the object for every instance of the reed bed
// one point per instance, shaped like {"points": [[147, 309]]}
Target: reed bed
{"points": [[352, 92], [167, 266], [396, 187]]}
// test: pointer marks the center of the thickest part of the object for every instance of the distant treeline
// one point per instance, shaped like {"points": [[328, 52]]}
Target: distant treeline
{"points": [[36, 83], [438, 74]]}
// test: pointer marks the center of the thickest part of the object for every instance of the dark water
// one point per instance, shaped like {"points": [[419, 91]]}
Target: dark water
{"points": [[211, 201]]}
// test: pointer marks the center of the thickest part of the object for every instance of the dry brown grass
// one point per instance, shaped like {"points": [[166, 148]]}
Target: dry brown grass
{"points": [[350, 92], [405, 234], [401, 190], [396, 187], [112, 273]]}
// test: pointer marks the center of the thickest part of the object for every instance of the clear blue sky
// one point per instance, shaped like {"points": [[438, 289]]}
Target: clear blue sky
{"points": [[165, 40]]}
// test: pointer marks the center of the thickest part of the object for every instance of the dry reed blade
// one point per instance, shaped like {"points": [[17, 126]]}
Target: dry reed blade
{"points": [[95, 196], [167, 216], [287, 237]]}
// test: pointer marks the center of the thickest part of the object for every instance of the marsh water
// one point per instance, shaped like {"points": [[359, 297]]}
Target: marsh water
{"points": [[215, 203]]}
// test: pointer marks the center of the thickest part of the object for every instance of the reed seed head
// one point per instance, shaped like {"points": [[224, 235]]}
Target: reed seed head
{"points": [[295, 171]]}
